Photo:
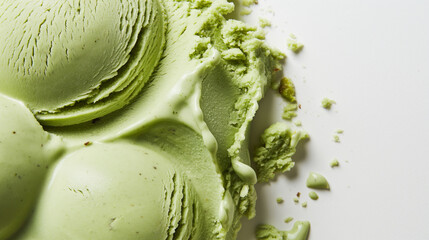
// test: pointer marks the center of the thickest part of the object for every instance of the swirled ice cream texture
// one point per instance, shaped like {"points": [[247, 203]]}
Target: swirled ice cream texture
{"points": [[73, 61], [149, 124]]}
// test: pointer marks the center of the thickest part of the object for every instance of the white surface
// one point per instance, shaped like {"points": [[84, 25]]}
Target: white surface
{"points": [[372, 57]]}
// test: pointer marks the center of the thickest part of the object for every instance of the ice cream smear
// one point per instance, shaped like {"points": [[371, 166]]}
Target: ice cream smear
{"points": [[164, 91]]}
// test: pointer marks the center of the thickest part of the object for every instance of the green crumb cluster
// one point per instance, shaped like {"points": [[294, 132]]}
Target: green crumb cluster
{"points": [[340, 131], [249, 2], [289, 111], [298, 123], [263, 22], [296, 200], [289, 219], [287, 90], [299, 231], [327, 103], [279, 200], [313, 195], [278, 144], [336, 138], [293, 44], [304, 204], [334, 163]]}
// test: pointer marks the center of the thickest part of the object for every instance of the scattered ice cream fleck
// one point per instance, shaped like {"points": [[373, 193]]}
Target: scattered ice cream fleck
{"points": [[313, 195], [336, 138], [289, 111], [289, 219], [304, 204], [293, 44], [263, 22], [327, 103], [287, 90], [279, 200], [334, 163], [296, 200]]}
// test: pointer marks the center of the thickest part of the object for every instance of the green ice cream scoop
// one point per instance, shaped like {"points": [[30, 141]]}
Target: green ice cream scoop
{"points": [[115, 191], [73, 61], [26, 152]]}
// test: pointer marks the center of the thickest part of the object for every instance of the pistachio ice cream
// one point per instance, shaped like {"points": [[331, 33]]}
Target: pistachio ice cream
{"points": [[144, 107]]}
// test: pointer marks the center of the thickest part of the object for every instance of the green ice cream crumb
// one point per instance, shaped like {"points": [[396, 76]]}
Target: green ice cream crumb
{"points": [[295, 200], [299, 231], [313, 195], [289, 111], [279, 143], [340, 131], [336, 138], [298, 123], [279, 200], [334, 163], [293, 44], [317, 181], [289, 219], [245, 11], [327, 103], [263, 22], [304, 204], [249, 2], [287, 90]]}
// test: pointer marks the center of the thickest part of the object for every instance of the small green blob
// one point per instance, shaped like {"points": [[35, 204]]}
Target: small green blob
{"points": [[298, 123], [263, 22], [293, 44], [304, 204], [334, 163], [279, 200], [299, 231], [336, 138], [287, 90], [289, 111], [296, 200], [317, 181], [289, 219], [327, 103], [340, 131], [313, 195]]}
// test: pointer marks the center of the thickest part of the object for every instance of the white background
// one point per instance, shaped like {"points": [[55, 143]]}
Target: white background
{"points": [[372, 58]]}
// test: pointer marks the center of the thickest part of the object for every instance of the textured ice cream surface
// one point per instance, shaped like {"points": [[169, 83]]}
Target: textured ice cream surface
{"points": [[115, 191], [73, 61], [278, 144], [192, 118]]}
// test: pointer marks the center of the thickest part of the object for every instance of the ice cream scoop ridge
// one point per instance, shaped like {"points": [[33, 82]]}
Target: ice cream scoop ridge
{"points": [[73, 61]]}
